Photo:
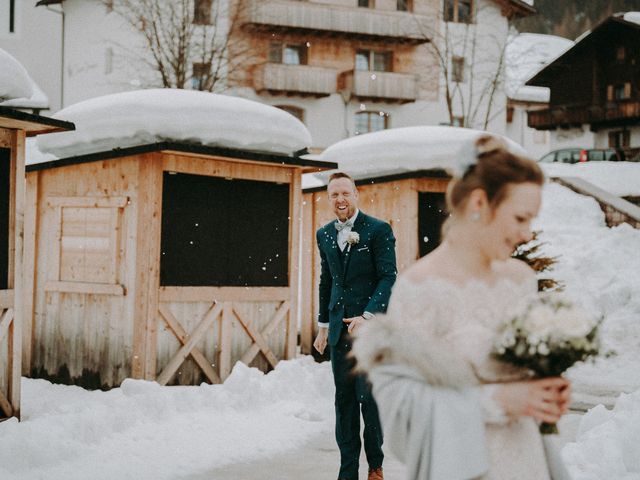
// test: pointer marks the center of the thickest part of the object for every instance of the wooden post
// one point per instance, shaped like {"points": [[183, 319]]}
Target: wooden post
{"points": [[307, 318], [295, 224], [15, 333], [29, 268], [145, 321]]}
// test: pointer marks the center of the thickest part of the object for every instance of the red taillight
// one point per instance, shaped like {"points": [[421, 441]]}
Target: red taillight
{"points": [[583, 155]]}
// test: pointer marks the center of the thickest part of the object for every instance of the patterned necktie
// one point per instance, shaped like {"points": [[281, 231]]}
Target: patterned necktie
{"points": [[340, 225]]}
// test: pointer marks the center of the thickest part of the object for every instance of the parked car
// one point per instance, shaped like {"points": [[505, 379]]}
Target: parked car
{"points": [[577, 155]]}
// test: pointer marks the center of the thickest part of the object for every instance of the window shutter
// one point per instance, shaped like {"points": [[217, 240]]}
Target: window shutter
{"points": [[610, 92], [275, 52]]}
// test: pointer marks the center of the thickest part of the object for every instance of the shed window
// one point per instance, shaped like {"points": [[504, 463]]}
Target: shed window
{"points": [[5, 188], [223, 232], [432, 213]]}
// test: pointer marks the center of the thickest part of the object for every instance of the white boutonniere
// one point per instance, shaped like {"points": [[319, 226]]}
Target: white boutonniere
{"points": [[353, 238]]}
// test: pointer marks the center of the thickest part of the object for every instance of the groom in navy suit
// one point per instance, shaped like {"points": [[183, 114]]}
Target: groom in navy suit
{"points": [[358, 269]]}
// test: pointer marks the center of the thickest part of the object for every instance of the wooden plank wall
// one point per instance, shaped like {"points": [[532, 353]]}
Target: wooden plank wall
{"points": [[395, 202], [80, 329]]}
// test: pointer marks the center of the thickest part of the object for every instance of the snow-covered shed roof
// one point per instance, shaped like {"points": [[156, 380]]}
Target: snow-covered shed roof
{"points": [[400, 151], [526, 54], [141, 121], [14, 79], [143, 117]]}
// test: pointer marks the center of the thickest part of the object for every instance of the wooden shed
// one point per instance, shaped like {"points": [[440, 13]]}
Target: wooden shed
{"points": [[14, 127], [168, 261]]}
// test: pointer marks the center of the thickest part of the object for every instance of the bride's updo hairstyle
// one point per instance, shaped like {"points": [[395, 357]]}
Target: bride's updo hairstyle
{"points": [[492, 167]]}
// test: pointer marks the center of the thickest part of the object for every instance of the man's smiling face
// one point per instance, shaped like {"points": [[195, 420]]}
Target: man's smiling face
{"points": [[343, 197]]}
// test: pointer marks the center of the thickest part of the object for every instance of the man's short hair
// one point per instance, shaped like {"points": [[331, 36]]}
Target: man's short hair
{"points": [[336, 175]]}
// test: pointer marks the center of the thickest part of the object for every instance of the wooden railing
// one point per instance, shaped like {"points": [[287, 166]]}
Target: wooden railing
{"points": [[367, 22], [574, 115], [303, 79], [389, 86]]}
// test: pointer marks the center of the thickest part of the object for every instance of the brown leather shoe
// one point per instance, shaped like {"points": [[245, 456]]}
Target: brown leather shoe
{"points": [[375, 474]]}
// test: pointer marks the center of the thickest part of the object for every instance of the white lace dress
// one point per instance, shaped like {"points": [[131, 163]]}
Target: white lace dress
{"points": [[446, 332]]}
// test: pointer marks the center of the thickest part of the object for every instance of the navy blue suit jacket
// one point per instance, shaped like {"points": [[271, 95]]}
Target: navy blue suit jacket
{"points": [[359, 280]]}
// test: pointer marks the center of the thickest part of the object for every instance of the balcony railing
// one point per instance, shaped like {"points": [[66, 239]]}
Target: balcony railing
{"points": [[364, 23], [384, 86], [576, 115], [295, 79]]}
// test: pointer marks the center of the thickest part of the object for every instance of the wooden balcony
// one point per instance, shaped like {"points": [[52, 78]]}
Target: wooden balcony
{"points": [[621, 113], [303, 80], [336, 21], [379, 86]]}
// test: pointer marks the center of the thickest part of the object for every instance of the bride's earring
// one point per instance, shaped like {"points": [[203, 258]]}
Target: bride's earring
{"points": [[475, 216]]}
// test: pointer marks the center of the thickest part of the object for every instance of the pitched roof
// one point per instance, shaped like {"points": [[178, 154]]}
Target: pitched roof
{"points": [[620, 20]]}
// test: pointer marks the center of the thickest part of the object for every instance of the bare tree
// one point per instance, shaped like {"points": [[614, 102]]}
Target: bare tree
{"points": [[471, 59], [187, 42]]}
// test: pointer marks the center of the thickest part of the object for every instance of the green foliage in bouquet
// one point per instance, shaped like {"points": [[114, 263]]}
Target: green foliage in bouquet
{"points": [[530, 254]]}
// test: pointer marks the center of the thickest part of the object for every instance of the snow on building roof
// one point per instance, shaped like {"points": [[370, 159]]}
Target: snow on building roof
{"points": [[633, 17], [149, 116], [399, 150], [526, 54], [14, 79]]}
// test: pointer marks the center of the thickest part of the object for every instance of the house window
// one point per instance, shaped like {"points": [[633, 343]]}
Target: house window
{"points": [[510, 111], [200, 75], [619, 138], [289, 54], [371, 122], [202, 12], [620, 91], [620, 53], [365, 3], [404, 5], [222, 245], [368, 60], [295, 111], [459, 11], [457, 69]]}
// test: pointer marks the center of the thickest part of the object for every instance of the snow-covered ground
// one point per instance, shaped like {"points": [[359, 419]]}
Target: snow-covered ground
{"points": [[144, 431]]}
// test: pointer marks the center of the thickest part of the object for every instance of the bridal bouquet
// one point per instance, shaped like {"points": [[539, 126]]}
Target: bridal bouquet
{"points": [[547, 337]]}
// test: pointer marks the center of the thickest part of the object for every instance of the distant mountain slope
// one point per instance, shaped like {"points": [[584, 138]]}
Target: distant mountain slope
{"points": [[570, 18]]}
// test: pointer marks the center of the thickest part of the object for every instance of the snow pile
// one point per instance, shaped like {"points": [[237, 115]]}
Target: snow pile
{"points": [[14, 79], [618, 178], [526, 54], [146, 432], [148, 116], [607, 444], [600, 268], [399, 150]]}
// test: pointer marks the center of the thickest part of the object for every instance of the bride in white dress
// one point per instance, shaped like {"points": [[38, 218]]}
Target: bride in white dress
{"points": [[449, 410]]}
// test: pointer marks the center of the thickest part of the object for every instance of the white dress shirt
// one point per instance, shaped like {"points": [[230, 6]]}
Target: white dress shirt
{"points": [[344, 233]]}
